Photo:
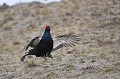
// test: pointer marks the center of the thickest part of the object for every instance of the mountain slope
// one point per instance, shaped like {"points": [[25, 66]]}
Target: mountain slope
{"points": [[96, 22]]}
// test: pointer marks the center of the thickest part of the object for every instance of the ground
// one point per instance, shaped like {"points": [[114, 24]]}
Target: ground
{"points": [[96, 22]]}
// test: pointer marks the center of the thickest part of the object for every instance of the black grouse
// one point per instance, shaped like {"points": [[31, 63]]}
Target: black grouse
{"points": [[42, 47]]}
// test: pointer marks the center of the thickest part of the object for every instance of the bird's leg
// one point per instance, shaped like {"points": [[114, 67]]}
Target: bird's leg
{"points": [[49, 55], [44, 57]]}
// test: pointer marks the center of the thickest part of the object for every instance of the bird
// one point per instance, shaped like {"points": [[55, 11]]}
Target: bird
{"points": [[43, 46]]}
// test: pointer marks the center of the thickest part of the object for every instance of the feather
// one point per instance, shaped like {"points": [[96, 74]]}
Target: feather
{"points": [[33, 43], [69, 40]]}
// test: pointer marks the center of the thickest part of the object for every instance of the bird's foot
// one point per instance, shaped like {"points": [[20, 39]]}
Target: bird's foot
{"points": [[45, 58], [49, 56]]}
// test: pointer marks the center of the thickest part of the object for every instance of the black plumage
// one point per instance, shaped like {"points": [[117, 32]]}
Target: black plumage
{"points": [[45, 45], [42, 47]]}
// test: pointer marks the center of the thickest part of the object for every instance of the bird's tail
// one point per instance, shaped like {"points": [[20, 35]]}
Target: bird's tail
{"points": [[22, 59], [31, 52]]}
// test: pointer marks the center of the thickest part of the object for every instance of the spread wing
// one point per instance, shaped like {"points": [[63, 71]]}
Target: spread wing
{"points": [[32, 43], [65, 41], [69, 40]]}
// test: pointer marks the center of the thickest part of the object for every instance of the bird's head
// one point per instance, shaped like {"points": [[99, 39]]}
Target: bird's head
{"points": [[47, 28]]}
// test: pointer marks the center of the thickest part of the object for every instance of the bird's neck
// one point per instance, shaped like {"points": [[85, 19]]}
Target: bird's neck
{"points": [[46, 35]]}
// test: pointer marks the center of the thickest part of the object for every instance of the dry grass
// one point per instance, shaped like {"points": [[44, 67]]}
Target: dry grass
{"points": [[96, 56]]}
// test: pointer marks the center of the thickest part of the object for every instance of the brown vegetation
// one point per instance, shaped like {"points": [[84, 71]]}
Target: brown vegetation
{"points": [[97, 22]]}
